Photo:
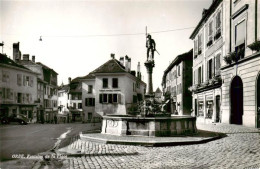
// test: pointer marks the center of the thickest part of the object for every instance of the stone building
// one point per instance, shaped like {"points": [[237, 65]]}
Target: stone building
{"points": [[175, 83], [241, 69], [18, 90], [46, 85], [112, 88], [209, 49], [63, 103], [75, 100]]}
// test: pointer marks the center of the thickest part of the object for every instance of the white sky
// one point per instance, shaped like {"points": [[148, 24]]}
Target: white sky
{"points": [[64, 26]]}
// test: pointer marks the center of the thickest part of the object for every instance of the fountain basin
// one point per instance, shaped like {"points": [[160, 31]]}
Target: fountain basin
{"points": [[148, 126]]}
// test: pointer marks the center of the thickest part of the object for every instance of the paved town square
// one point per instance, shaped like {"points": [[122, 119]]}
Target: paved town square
{"points": [[240, 149]]}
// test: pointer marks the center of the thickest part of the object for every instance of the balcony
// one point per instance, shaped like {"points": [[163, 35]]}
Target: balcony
{"points": [[235, 56], [215, 82]]}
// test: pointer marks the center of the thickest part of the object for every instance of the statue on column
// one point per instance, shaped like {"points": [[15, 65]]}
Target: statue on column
{"points": [[151, 47]]}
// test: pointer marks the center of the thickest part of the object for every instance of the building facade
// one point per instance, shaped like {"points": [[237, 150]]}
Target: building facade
{"points": [[63, 104], [241, 69], [111, 89], [18, 90], [209, 49], [46, 82], [176, 80]]}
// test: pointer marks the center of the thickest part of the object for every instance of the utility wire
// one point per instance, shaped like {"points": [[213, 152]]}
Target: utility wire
{"points": [[108, 35]]}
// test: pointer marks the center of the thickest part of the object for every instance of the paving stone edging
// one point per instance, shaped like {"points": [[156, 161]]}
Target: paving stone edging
{"points": [[153, 143]]}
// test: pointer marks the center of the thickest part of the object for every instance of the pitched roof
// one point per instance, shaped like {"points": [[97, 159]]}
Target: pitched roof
{"points": [[205, 17], [111, 66], [64, 87], [27, 62], [7, 61], [46, 67]]}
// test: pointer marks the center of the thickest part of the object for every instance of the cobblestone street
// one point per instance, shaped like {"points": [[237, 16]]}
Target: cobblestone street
{"points": [[240, 149]]}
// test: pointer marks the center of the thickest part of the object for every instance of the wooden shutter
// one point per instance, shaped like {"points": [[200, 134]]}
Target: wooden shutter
{"points": [[19, 79], [217, 64], [213, 67], [202, 74], [207, 70], [24, 80], [119, 99], [100, 98], [86, 101]]}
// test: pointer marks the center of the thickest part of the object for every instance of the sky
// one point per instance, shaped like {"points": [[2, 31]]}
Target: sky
{"points": [[79, 36]]}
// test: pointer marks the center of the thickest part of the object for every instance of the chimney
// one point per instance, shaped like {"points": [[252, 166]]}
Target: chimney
{"points": [[69, 80], [138, 71], [126, 63], [112, 56], [129, 64], [16, 52], [204, 12], [121, 60], [33, 59], [26, 57]]}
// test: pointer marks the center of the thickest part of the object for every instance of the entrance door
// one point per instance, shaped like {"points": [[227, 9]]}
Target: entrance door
{"points": [[258, 102], [236, 101], [218, 108], [196, 108]]}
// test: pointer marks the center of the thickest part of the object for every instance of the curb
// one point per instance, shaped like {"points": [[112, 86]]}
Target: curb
{"points": [[149, 143]]}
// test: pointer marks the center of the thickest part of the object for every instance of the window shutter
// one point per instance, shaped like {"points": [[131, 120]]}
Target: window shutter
{"points": [[217, 64], [86, 101], [100, 98], [119, 98], [1, 75], [213, 67], [24, 80], [19, 79], [31, 81], [207, 70], [202, 74], [93, 101]]}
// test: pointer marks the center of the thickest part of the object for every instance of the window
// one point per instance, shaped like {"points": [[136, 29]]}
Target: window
{"points": [[240, 37], [115, 82], [79, 105], [199, 44], [105, 98], [179, 70], [210, 33], [89, 101], [109, 98], [199, 75], [195, 48], [19, 79], [210, 69], [74, 105], [134, 99], [218, 23], [218, 64], [90, 89], [19, 98], [105, 83], [5, 76]]}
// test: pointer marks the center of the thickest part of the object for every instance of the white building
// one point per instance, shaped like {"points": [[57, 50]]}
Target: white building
{"points": [[18, 89], [111, 89]]}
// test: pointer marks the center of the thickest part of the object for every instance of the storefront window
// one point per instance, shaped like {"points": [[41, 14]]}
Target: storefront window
{"points": [[201, 106], [209, 109]]}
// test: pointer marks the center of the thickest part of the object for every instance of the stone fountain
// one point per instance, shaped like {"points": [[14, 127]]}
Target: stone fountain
{"points": [[149, 122]]}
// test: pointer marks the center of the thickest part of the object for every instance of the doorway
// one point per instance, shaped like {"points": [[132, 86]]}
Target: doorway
{"points": [[236, 101], [258, 102], [218, 108]]}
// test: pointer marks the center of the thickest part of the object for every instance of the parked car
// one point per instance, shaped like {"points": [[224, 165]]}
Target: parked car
{"points": [[21, 119]]}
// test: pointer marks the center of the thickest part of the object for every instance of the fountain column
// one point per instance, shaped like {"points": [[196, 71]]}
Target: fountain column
{"points": [[149, 67]]}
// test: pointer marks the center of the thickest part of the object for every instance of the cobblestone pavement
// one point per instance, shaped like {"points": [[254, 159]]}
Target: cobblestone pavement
{"points": [[240, 149]]}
